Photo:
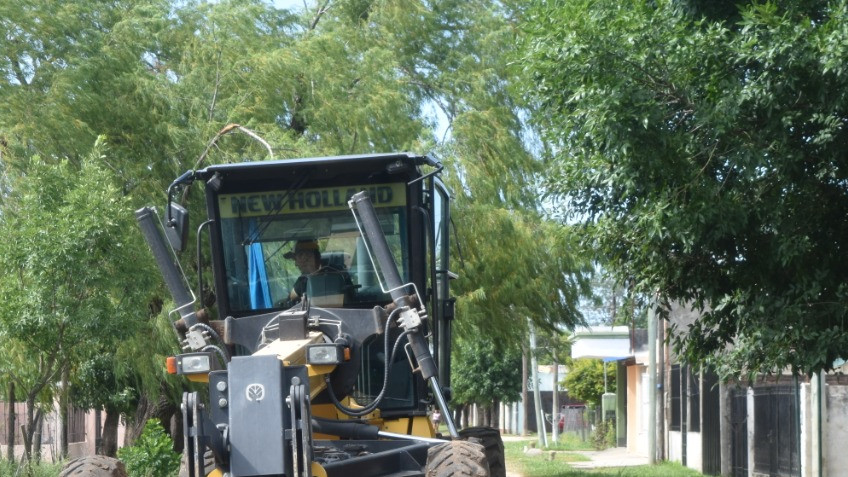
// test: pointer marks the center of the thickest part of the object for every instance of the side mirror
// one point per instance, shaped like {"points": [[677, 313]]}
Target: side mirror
{"points": [[176, 226]]}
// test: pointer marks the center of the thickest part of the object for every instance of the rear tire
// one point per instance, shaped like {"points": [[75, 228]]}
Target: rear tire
{"points": [[94, 466], [456, 459], [492, 443]]}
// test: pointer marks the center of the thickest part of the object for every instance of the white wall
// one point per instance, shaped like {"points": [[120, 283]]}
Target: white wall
{"points": [[836, 430]]}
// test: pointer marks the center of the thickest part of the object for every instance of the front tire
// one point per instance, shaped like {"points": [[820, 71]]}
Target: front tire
{"points": [[492, 443], [456, 459], [94, 466]]}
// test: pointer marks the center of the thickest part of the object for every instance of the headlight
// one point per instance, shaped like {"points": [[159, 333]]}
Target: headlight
{"points": [[329, 353], [192, 363]]}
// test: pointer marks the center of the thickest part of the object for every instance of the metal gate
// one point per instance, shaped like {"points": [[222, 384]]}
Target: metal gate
{"points": [[739, 429], [776, 452], [710, 425]]}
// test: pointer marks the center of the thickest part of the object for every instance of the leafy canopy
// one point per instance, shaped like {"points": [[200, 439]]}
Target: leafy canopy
{"points": [[484, 373], [71, 281], [585, 380], [159, 78], [707, 159]]}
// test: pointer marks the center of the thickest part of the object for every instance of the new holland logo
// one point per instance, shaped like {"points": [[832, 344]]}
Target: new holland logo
{"points": [[255, 392]]}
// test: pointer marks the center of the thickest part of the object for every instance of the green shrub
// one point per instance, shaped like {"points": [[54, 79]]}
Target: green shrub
{"points": [[152, 454], [604, 434], [611, 436]]}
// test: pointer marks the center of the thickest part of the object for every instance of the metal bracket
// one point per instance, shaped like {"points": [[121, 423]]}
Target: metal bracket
{"points": [[301, 419]]}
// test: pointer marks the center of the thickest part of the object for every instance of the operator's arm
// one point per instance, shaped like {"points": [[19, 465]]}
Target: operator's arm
{"points": [[295, 294]]}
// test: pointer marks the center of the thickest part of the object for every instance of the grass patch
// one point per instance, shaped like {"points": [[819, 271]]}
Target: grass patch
{"points": [[36, 469], [570, 442], [666, 469], [541, 466]]}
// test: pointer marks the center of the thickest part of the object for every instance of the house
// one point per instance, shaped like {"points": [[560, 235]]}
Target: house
{"points": [[628, 349], [777, 425]]}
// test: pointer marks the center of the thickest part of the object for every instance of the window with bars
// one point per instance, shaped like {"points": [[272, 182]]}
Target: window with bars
{"points": [[674, 391], [694, 398]]}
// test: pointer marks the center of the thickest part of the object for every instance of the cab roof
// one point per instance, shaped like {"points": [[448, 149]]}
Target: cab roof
{"points": [[257, 168]]}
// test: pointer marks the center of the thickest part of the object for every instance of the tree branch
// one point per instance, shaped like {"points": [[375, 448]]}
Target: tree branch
{"points": [[213, 143], [226, 130], [321, 11], [16, 66]]}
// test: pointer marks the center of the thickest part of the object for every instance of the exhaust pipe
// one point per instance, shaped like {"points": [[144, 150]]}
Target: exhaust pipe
{"points": [[375, 241], [168, 267]]}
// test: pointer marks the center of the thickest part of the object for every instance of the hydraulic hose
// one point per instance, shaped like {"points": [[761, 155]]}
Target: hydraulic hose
{"points": [[390, 357]]}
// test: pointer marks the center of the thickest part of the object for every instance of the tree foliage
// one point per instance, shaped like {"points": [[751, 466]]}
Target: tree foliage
{"points": [[152, 455], [485, 373], [585, 380], [64, 292], [157, 79], [714, 171]]}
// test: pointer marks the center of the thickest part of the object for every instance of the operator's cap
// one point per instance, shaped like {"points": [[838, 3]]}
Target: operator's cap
{"points": [[302, 246]]}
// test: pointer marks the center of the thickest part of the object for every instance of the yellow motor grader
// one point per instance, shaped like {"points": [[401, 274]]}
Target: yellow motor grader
{"points": [[330, 369]]}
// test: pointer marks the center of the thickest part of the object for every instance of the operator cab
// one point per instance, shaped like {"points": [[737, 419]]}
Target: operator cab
{"points": [[305, 318], [261, 213], [260, 228], [262, 210]]}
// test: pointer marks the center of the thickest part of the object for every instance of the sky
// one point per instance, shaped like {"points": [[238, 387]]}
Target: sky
{"points": [[291, 4]]}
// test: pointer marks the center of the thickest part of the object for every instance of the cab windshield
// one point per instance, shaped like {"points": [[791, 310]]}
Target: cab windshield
{"points": [[259, 231]]}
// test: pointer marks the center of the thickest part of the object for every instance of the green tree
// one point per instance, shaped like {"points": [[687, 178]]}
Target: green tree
{"points": [[160, 78], [585, 380], [713, 171], [485, 374], [64, 293]]}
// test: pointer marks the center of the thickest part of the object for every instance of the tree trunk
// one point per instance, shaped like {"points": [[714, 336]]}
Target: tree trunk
{"points": [[109, 439], [555, 412], [524, 380], [163, 409], [143, 412], [36, 435], [165, 412], [29, 427], [176, 429], [10, 423], [63, 413]]}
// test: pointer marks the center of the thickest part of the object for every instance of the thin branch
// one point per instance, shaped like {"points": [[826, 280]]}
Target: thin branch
{"points": [[213, 143], [217, 85], [19, 74], [321, 11], [226, 130]]}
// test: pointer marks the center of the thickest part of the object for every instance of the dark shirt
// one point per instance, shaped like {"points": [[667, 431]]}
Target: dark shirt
{"points": [[299, 287]]}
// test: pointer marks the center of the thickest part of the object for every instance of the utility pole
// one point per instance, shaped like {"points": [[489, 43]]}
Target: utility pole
{"points": [[525, 378], [537, 396], [652, 385], [660, 388], [555, 404]]}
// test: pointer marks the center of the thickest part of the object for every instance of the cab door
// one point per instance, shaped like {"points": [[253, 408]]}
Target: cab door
{"points": [[442, 301]]}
